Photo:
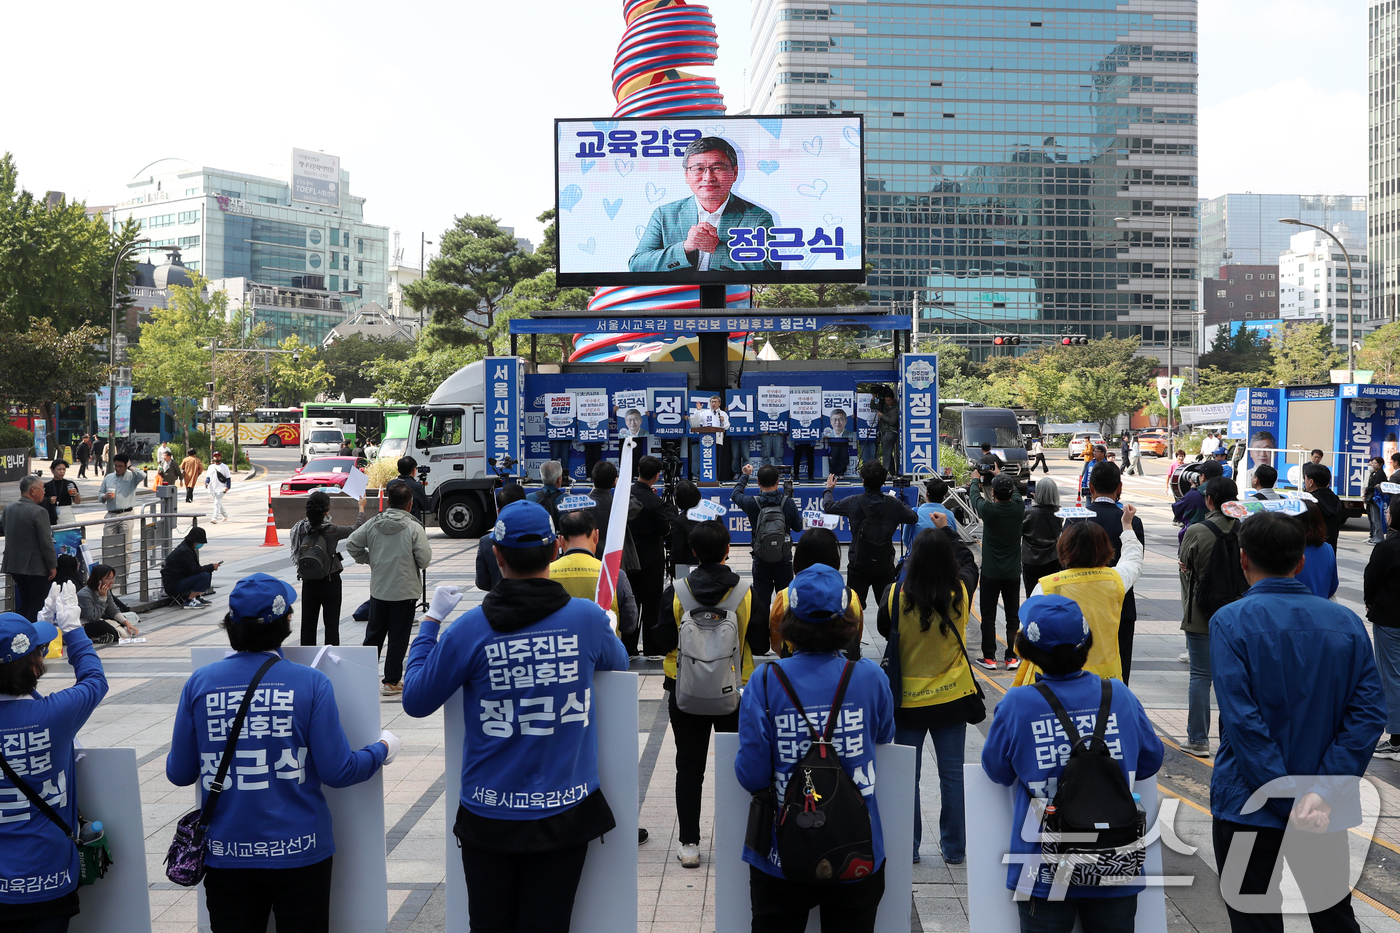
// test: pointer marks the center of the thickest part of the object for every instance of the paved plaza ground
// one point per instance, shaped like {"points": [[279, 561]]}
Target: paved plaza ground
{"points": [[146, 680]]}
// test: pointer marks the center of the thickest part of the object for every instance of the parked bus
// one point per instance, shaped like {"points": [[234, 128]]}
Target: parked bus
{"points": [[271, 427]]}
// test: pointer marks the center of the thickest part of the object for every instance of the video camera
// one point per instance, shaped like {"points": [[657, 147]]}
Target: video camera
{"points": [[901, 480], [785, 472], [670, 468], [501, 468], [423, 471]]}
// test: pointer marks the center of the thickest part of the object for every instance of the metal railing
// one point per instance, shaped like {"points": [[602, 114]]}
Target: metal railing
{"points": [[134, 544]]}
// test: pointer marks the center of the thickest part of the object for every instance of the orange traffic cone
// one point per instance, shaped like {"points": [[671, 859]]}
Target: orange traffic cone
{"points": [[270, 538]]}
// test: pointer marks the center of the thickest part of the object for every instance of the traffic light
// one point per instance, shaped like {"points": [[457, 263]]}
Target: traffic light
{"points": [[1006, 340], [1076, 341], [209, 388]]}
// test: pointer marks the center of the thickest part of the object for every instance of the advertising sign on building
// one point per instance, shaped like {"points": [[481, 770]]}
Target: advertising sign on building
{"points": [[503, 416], [918, 421], [805, 414], [315, 178], [787, 191]]}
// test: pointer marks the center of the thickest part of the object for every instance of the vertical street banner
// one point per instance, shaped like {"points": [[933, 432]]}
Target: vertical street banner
{"points": [[1264, 427], [592, 408], [743, 417], [41, 439], [559, 415], [123, 409], [505, 406], [667, 412], [918, 413], [773, 409], [867, 418], [805, 414]]}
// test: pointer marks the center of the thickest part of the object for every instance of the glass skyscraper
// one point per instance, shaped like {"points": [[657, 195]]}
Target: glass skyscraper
{"points": [[1002, 139], [1244, 229], [1383, 227]]}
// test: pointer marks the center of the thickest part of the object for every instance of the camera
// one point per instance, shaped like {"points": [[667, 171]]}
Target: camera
{"points": [[670, 469], [785, 472], [901, 481], [502, 467], [985, 470], [423, 471]]}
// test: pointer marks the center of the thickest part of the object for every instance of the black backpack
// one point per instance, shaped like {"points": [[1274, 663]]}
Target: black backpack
{"points": [[1092, 802], [314, 558], [873, 553], [772, 543], [1223, 580], [823, 825]]}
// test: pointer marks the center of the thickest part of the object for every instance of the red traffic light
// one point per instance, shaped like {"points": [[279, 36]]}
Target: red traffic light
{"points": [[1074, 341], [1064, 341], [998, 340]]}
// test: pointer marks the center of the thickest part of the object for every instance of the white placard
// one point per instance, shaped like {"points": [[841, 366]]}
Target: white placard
{"points": [[864, 410], [820, 520], [109, 790], [709, 510], [895, 789], [356, 482], [607, 893], [1302, 496], [1075, 511], [559, 410], [772, 400], [574, 504], [1390, 489], [804, 413], [359, 881], [989, 902]]}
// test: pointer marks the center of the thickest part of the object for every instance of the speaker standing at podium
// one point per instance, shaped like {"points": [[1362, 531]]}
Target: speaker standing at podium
{"points": [[524, 661], [714, 417]]}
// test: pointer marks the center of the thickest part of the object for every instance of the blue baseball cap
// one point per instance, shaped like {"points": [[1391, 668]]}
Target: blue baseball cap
{"points": [[19, 636], [261, 596], [523, 524], [818, 594], [1047, 621]]}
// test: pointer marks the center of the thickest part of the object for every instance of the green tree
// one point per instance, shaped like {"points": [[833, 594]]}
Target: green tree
{"points": [[346, 359], [1381, 352], [55, 262], [1101, 395], [477, 267], [413, 380], [1304, 354], [44, 366], [534, 295], [1246, 350], [814, 345], [171, 359], [298, 375]]}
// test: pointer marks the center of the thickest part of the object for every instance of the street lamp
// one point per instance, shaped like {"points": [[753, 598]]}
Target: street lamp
{"points": [[1171, 317], [423, 244], [132, 247], [1351, 303]]}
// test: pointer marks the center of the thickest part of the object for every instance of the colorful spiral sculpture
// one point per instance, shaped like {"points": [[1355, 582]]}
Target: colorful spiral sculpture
{"points": [[662, 36]]}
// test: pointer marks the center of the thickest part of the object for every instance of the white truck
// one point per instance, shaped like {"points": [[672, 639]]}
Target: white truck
{"points": [[321, 437], [448, 435]]}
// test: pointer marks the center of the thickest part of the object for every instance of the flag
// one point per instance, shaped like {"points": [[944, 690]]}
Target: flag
{"points": [[617, 528]]}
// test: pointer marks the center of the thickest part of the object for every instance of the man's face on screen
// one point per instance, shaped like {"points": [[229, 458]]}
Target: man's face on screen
{"points": [[710, 176]]}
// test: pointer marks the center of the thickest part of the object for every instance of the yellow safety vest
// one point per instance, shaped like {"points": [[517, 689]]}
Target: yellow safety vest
{"points": [[578, 573], [1099, 593], [933, 667]]}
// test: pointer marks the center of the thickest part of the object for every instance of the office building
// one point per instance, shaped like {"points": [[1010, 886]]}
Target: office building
{"points": [[1240, 293], [1001, 142], [1244, 229], [301, 266], [1383, 150], [1313, 284]]}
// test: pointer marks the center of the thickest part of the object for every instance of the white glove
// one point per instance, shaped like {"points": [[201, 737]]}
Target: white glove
{"points": [[612, 620], [391, 742], [445, 599]]}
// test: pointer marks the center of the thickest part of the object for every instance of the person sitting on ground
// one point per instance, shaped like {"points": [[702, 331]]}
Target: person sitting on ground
{"points": [[819, 622], [577, 568], [184, 577], [1263, 482], [709, 584], [1057, 641], [97, 607], [488, 572], [1085, 551]]}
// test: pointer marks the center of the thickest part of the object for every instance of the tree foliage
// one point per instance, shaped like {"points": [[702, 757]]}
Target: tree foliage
{"points": [[171, 360], [1246, 350], [1381, 353], [45, 365], [298, 380], [411, 381], [814, 345], [534, 295], [1304, 354], [347, 358], [464, 286]]}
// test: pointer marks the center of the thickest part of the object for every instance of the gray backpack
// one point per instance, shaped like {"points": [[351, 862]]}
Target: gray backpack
{"points": [[709, 655]]}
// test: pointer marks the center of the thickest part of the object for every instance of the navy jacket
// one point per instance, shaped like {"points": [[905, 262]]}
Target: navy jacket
{"points": [[1299, 696], [752, 505]]}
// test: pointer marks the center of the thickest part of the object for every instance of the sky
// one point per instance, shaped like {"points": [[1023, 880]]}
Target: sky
{"points": [[439, 109]]}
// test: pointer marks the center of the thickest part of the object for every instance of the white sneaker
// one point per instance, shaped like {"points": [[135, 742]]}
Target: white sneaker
{"points": [[1184, 657], [689, 856]]}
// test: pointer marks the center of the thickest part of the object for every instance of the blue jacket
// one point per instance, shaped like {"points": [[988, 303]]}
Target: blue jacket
{"points": [[925, 513], [773, 739], [1299, 694], [1319, 573], [37, 862], [272, 814], [531, 747], [1027, 748]]}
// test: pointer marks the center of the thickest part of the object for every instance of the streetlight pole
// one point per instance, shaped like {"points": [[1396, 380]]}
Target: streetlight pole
{"points": [[1171, 320], [1350, 302], [423, 243]]}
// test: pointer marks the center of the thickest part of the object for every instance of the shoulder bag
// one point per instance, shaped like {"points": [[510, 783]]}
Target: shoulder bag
{"points": [[184, 863], [94, 856]]}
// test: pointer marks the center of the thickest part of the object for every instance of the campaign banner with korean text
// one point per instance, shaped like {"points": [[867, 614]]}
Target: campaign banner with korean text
{"points": [[1368, 421], [631, 408], [710, 199], [838, 423], [591, 404], [505, 408], [918, 413], [667, 412], [772, 409], [560, 411], [1264, 426], [867, 418], [741, 404], [805, 414]]}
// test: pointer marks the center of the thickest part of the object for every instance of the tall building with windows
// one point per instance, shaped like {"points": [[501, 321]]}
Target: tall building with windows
{"points": [[300, 267], [1383, 127], [1244, 229], [1002, 140], [1313, 285]]}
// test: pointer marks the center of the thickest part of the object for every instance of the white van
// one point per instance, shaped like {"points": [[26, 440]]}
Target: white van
{"points": [[321, 436]]}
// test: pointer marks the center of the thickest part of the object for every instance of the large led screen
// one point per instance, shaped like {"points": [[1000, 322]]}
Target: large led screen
{"points": [[723, 200]]}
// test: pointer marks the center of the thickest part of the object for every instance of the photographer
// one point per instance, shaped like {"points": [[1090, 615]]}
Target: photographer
{"points": [[772, 558], [888, 427], [874, 519], [407, 468]]}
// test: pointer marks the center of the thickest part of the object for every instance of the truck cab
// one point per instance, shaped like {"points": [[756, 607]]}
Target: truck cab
{"points": [[448, 436], [321, 437]]}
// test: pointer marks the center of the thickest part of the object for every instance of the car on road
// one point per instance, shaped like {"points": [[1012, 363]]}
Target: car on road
{"points": [[1081, 445], [320, 473], [1153, 442]]}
